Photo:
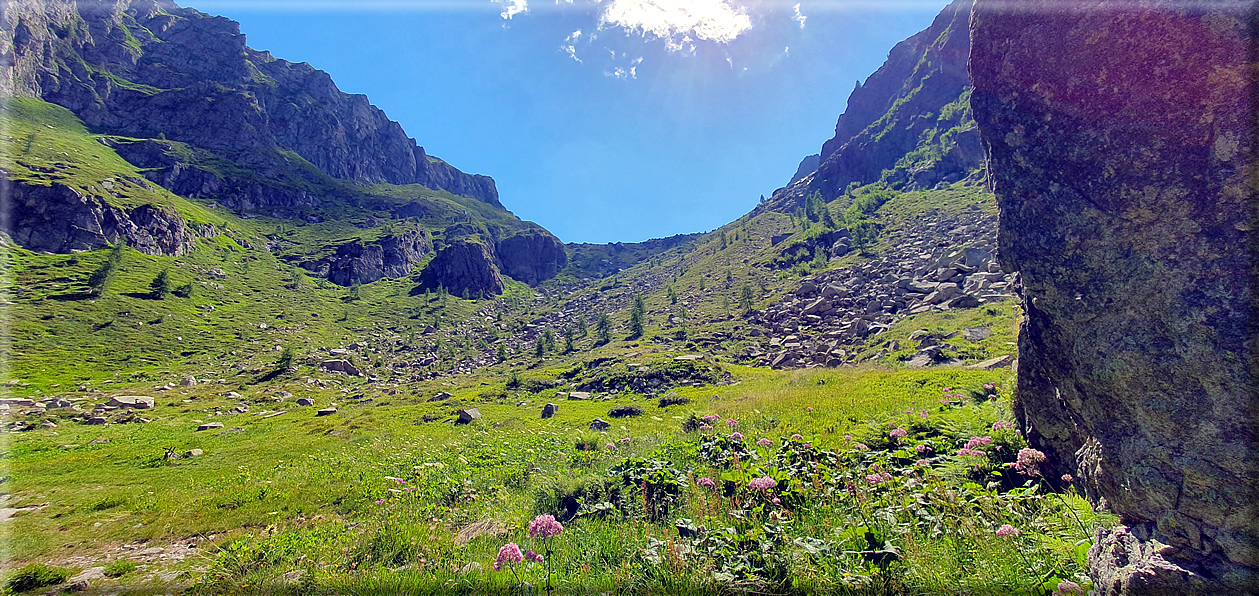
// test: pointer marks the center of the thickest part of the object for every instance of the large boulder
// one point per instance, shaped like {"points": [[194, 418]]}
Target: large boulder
{"points": [[532, 257], [463, 267], [393, 255], [1119, 138]]}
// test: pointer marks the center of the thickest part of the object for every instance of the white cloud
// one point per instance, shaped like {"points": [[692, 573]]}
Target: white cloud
{"points": [[512, 8], [678, 22], [799, 18]]}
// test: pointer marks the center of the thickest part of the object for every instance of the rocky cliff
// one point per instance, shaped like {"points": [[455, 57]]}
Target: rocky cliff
{"points": [[463, 268], [910, 117], [531, 256], [59, 218], [150, 69], [394, 255], [1120, 144]]}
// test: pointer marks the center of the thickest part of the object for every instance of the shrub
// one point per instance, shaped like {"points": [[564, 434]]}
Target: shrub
{"points": [[119, 568], [160, 287], [35, 576], [674, 400]]}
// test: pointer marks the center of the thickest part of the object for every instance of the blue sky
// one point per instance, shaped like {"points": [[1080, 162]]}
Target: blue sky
{"points": [[661, 117]]}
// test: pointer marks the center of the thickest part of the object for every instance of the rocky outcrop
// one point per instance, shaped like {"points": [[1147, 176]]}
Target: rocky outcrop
{"points": [[1119, 138], [935, 262], [531, 257], [463, 268], [393, 255], [806, 167], [910, 117], [62, 219], [150, 69]]}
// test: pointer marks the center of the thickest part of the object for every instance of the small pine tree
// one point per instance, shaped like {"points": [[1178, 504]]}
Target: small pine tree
{"points": [[539, 347], [673, 295], [603, 328], [569, 346], [548, 337], [746, 297], [286, 359], [160, 287], [355, 290], [581, 327], [701, 284], [502, 353], [638, 315], [724, 243]]}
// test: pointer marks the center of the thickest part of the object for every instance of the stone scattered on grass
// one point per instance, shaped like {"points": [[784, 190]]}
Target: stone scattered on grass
{"points": [[326, 412], [468, 415], [210, 425]]}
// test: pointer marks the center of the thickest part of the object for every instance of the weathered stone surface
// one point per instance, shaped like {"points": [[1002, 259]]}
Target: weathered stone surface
{"points": [[340, 366], [326, 412], [210, 425], [600, 424], [59, 218], [531, 257], [549, 410], [393, 255], [463, 267], [468, 415], [1119, 139], [305, 401], [138, 402]]}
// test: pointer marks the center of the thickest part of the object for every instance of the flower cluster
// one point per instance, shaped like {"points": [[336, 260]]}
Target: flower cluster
{"points": [[762, 483], [509, 554], [1007, 530], [736, 436], [898, 433], [544, 526], [710, 418], [533, 557], [972, 444], [1029, 461], [878, 478], [923, 448], [1068, 588], [732, 422], [764, 442], [1000, 424], [706, 482]]}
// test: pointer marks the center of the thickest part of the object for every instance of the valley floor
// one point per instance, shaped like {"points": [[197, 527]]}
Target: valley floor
{"points": [[850, 480]]}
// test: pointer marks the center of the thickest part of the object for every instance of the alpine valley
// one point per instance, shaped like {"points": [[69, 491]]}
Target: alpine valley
{"points": [[259, 340]]}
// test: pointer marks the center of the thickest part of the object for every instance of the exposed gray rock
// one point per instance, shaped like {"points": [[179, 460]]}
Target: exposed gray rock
{"points": [[549, 410], [392, 255], [600, 424], [340, 366], [326, 412], [531, 257], [1120, 153], [210, 425], [138, 402], [461, 268], [468, 415], [305, 401]]}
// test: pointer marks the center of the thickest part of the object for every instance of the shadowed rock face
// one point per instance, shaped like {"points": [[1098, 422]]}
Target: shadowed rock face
{"points": [[463, 267], [1118, 144], [532, 257], [390, 256], [61, 219]]}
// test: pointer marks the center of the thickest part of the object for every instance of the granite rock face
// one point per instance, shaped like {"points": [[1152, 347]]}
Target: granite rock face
{"points": [[909, 117], [393, 255], [463, 267], [1119, 143], [532, 256], [62, 219], [151, 69]]}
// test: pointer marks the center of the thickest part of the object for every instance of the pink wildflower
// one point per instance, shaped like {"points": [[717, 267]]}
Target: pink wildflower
{"points": [[898, 433], [991, 396], [1007, 530], [706, 482], [764, 442], [922, 463], [847, 437], [923, 448], [732, 422], [924, 415], [1029, 461], [808, 445], [625, 440], [776, 501], [610, 446], [533, 556], [1068, 479], [544, 526], [705, 427], [797, 437], [1000, 424], [510, 553], [988, 386], [711, 418], [861, 447], [762, 483], [736, 436], [809, 409], [380, 501]]}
